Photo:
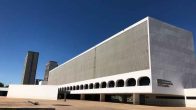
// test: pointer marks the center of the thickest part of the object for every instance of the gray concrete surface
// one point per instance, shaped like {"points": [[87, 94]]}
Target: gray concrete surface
{"points": [[125, 53], [79, 105], [172, 57]]}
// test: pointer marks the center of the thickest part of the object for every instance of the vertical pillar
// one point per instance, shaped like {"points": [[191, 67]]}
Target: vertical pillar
{"points": [[82, 96], [102, 97], [136, 99]]}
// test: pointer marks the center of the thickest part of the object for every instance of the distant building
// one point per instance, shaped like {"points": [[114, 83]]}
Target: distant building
{"points": [[30, 67], [49, 66]]}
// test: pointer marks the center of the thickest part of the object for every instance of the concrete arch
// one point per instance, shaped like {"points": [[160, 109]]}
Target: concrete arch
{"points": [[91, 86], [111, 84], [144, 81], [130, 82], [86, 86], [96, 85], [77, 87], [81, 87], [103, 84], [120, 83]]}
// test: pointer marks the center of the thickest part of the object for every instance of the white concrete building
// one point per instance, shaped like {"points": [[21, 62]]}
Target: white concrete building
{"points": [[150, 62]]}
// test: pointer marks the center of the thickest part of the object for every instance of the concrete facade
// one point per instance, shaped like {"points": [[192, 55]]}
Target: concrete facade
{"points": [[172, 57], [30, 67], [151, 61], [121, 54]]}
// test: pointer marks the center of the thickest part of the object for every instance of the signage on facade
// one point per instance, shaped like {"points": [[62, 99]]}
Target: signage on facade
{"points": [[164, 83]]}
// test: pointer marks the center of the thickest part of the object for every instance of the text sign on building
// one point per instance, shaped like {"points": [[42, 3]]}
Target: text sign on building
{"points": [[164, 83]]}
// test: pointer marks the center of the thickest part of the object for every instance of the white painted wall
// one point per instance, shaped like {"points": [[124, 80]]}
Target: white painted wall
{"points": [[190, 93], [48, 92], [132, 89], [3, 89]]}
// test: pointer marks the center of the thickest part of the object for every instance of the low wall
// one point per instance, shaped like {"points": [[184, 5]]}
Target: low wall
{"points": [[190, 97], [48, 92]]}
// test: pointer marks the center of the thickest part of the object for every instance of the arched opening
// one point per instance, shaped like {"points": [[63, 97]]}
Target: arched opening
{"points": [[91, 86], [86, 86], [77, 87], [81, 87], [144, 81], [70, 87], [111, 84], [67, 88], [120, 83], [131, 82], [74, 87], [103, 84], [96, 85]]}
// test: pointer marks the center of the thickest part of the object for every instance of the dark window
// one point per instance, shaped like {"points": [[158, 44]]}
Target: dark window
{"points": [[111, 84], [144, 81], [67, 88], [96, 85], [77, 87], [86, 86], [120, 83], [81, 87], [103, 85], [70, 87], [91, 86], [191, 97], [74, 87], [170, 97], [131, 82]]}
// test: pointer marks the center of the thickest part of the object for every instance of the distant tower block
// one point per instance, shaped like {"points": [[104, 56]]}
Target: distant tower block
{"points": [[49, 66], [30, 67]]}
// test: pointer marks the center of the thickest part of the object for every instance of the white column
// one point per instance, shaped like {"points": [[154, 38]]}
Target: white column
{"points": [[102, 97], [82, 96], [136, 99]]}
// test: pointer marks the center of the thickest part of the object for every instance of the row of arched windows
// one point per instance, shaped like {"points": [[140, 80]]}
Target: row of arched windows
{"points": [[143, 81]]}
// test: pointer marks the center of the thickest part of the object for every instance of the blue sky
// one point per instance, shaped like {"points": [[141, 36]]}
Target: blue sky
{"points": [[61, 29]]}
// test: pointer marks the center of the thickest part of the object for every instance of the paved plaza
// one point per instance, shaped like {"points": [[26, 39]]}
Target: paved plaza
{"points": [[78, 105]]}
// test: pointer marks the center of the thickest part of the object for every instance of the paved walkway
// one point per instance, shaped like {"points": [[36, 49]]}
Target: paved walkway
{"points": [[80, 105]]}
